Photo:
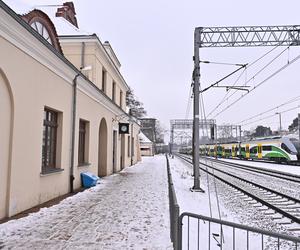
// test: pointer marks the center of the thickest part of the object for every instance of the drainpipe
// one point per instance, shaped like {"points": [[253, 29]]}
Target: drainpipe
{"points": [[82, 55], [73, 133], [74, 106]]}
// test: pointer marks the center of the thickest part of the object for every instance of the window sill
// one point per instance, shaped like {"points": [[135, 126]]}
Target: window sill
{"points": [[51, 171], [85, 164]]}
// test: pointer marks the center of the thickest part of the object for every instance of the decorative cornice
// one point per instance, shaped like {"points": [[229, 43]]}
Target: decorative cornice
{"points": [[94, 38]]}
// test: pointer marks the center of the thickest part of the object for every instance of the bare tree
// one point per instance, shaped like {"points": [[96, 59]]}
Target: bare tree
{"points": [[135, 106]]}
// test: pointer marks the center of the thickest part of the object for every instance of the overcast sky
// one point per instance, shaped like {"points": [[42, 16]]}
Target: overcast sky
{"points": [[154, 42]]}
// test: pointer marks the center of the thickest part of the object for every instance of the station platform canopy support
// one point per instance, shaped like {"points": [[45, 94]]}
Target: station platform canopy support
{"points": [[247, 36]]}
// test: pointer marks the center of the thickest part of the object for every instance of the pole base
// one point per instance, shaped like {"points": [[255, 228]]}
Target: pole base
{"points": [[199, 190]]}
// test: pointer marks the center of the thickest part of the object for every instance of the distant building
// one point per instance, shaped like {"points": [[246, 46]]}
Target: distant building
{"points": [[62, 102], [148, 128], [146, 146]]}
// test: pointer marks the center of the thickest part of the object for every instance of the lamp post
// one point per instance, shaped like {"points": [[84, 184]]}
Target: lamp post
{"points": [[277, 113]]}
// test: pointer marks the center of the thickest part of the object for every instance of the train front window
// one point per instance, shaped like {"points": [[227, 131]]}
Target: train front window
{"points": [[287, 149], [296, 144]]}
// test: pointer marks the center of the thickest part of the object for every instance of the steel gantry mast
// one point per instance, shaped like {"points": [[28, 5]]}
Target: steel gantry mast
{"points": [[247, 36]]}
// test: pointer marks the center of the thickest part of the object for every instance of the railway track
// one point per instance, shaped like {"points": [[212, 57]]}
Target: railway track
{"points": [[267, 172], [279, 206], [288, 163]]}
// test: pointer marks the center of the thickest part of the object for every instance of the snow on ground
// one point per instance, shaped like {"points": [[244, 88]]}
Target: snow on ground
{"points": [[225, 205], [128, 210]]}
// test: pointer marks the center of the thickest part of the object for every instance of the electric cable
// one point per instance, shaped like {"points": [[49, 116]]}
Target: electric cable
{"points": [[248, 66], [214, 179], [190, 97], [224, 98], [255, 75], [269, 116], [295, 99], [259, 84], [218, 205], [221, 63]]}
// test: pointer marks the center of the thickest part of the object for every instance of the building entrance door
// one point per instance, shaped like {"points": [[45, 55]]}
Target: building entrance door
{"points": [[115, 137], [122, 151]]}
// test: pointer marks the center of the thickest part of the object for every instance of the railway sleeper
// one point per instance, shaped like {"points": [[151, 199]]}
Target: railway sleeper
{"points": [[295, 215], [294, 206], [284, 221], [271, 195], [291, 210], [271, 200], [294, 227], [263, 208], [253, 202], [270, 212], [276, 216], [283, 205], [258, 204], [280, 202], [277, 198]]}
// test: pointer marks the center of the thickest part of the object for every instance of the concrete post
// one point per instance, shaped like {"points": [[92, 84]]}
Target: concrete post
{"points": [[196, 186]]}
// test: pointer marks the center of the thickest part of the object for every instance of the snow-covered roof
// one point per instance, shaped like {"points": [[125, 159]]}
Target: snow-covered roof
{"points": [[144, 138], [18, 6], [63, 27]]}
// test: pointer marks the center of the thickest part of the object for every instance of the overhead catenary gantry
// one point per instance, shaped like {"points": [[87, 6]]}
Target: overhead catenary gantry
{"points": [[181, 131], [247, 36]]}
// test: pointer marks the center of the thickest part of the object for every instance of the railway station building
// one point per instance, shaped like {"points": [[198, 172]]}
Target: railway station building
{"points": [[62, 106]]}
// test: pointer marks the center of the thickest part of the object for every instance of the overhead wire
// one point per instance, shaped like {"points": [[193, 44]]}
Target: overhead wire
{"points": [[256, 74], [202, 114], [294, 99], [269, 116], [190, 97], [238, 78], [259, 84], [224, 98], [221, 63], [214, 178]]}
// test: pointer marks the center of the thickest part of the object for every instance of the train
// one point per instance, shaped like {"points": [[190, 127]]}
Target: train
{"points": [[276, 148]]}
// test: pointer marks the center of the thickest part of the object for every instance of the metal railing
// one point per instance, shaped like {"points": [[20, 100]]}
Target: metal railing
{"points": [[174, 208], [201, 232]]}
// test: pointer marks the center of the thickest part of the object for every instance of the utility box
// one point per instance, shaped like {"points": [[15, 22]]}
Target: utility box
{"points": [[89, 179]]}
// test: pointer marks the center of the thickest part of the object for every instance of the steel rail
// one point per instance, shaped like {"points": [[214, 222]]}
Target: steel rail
{"points": [[258, 199]]}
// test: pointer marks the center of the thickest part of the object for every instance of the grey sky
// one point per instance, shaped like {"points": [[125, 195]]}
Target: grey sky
{"points": [[154, 42]]}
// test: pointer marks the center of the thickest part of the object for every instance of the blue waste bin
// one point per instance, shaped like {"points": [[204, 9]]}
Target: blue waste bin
{"points": [[89, 179]]}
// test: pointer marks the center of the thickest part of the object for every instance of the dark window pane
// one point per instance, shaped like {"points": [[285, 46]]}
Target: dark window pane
{"points": [[49, 139], [81, 143]]}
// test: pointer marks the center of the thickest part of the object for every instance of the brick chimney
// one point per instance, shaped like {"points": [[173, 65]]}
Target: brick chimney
{"points": [[67, 11]]}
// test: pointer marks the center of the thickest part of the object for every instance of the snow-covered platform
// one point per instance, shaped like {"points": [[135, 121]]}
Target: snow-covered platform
{"points": [[128, 210]]}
